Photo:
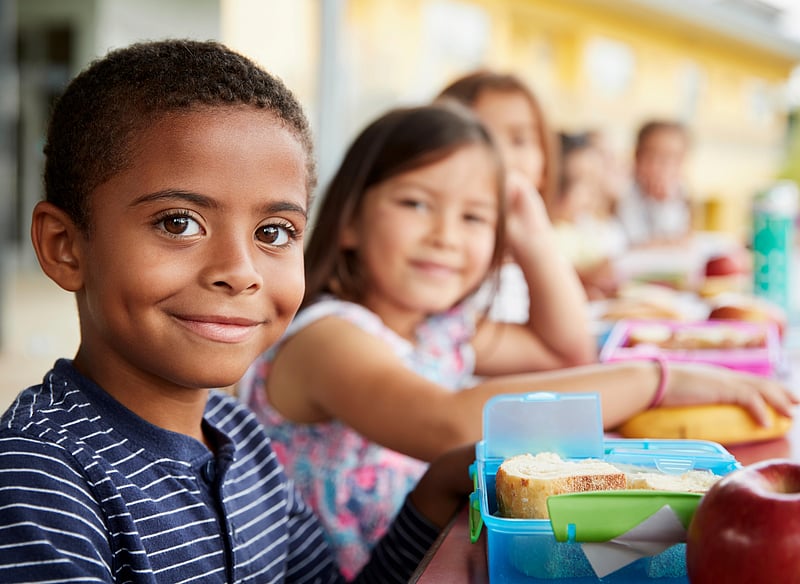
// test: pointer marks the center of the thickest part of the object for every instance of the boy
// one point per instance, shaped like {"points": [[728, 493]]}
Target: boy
{"points": [[656, 210], [177, 182]]}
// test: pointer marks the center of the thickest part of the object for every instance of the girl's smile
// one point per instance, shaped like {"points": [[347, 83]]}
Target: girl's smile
{"points": [[426, 236], [434, 270]]}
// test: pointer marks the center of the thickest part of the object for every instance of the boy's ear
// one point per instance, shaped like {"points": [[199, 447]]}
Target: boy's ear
{"points": [[55, 239]]}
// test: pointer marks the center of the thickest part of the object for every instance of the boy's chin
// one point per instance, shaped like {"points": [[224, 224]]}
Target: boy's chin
{"points": [[226, 378], [216, 374]]}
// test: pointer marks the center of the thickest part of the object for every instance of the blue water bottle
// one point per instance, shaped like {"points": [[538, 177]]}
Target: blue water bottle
{"points": [[774, 213]]}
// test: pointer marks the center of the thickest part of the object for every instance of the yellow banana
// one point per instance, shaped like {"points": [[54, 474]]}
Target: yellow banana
{"points": [[722, 423]]}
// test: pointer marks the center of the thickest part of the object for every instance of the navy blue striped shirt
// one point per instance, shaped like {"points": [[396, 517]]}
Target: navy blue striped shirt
{"points": [[90, 492]]}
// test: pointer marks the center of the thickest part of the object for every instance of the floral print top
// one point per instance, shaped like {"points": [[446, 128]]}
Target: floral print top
{"points": [[356, 486]]}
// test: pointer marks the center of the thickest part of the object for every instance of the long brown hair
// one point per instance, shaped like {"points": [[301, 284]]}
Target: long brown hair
{"points": [[470, 87], [401, 140]]}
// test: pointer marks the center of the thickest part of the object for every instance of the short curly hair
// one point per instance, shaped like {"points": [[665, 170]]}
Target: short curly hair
{"points": [[94, 123]]}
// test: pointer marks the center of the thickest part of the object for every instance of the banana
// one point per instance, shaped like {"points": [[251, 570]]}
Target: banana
{"points": [[722, 423]]}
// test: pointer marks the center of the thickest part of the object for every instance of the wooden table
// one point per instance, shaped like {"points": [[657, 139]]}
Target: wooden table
{"points": [[453, 559]]}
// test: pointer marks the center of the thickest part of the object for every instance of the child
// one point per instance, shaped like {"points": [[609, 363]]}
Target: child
{"points": [[516, 120], [514, 117], [655, 210], [177, 179], [370, 376], [588, 238]]}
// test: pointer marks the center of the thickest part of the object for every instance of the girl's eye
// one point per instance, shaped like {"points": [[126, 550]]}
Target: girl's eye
{"points": [[477, 218], [414, 204], [521, 141], [181, 225], [276, 235]]}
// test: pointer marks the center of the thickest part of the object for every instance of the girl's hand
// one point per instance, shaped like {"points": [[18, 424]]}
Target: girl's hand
{"points": [[526, 216], [693, 384]]}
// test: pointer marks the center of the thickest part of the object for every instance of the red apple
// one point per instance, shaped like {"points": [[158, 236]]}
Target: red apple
{"points": [[747, 527], [724, 265]]}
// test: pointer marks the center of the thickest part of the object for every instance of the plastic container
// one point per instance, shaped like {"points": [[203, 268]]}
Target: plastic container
{"points": [[526, 551], [760, 360]]}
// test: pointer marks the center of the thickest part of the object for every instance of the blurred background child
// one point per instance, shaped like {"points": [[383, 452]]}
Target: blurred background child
{"points": [[588, 234], [515, 119], [655, 209], [615, 173]]}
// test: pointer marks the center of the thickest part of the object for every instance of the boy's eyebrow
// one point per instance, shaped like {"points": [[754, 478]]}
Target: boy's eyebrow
{"points": [[208, 202], [175, 195]]}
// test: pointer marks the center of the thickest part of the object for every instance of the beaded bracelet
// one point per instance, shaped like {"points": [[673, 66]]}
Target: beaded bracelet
{"points": [[662, 381]]}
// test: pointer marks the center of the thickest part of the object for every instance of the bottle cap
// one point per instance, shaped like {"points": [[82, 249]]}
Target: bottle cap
{"points": [[780, 198]]}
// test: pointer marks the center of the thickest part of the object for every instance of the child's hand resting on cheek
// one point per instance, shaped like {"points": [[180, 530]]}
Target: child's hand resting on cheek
{"points": [[526, 214]]}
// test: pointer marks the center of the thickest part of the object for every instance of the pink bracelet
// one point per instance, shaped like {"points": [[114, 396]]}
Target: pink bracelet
{"points": [[662, 381]]}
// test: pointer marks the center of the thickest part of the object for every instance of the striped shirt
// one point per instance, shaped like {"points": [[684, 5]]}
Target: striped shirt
{"points": [[90, 492]]}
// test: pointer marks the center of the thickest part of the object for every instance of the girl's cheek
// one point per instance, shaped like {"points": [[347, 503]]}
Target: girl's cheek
{"points": [[484, 250]]}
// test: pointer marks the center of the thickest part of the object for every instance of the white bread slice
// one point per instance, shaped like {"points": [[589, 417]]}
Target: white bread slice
{"points": [[693, 481], [524, 482]]}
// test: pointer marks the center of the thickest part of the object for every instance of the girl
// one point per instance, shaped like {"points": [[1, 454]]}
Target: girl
{"points": [[364, 386], [515, 118], [516, 121]]}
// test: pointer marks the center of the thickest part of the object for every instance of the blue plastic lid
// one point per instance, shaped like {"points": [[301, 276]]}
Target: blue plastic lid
{"points": [[570, 425]]}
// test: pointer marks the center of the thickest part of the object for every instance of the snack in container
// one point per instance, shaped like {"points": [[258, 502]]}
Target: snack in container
{"points": [[753, 347], [535, 551], [524, 482]]}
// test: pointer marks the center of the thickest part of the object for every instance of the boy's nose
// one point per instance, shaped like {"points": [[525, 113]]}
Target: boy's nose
{"points": [[232, 265]]}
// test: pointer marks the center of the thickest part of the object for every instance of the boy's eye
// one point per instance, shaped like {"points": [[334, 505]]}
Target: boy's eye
{"points": [[274, 234], [181, 225]]}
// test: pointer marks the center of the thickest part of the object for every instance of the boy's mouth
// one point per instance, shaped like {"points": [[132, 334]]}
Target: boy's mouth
{"points": [[220, 329]]}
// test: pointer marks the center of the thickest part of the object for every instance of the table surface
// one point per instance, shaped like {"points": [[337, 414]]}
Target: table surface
{"points": [[454, 559]]}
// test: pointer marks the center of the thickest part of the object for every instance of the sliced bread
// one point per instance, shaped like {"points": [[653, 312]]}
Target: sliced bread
{"points": [[524, 482]]}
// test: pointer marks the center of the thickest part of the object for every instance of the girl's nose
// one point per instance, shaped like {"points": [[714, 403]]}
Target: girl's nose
{"points": [[445, 228]]}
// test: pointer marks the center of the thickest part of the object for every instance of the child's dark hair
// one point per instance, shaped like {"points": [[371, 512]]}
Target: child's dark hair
{"points": [[650, 127], [95, 122], [470, 87], [401, 140], [570, 143]]}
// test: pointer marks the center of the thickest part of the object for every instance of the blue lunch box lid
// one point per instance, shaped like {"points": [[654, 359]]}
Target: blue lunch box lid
{"points": [[570, 425]]}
